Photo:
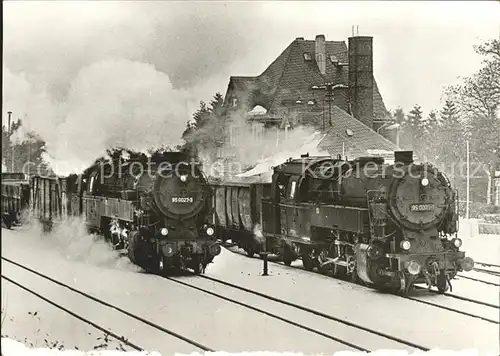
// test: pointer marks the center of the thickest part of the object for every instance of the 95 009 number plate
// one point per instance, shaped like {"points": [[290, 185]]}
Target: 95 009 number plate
{"points": [[182, 200], [422, 207]]}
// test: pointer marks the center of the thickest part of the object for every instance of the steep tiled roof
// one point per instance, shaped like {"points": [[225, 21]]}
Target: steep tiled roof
{"points": [[363, 139], [291, 77]]}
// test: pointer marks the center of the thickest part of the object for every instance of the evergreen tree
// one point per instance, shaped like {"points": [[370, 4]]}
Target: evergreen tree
{"points": [[27, 151], [413, 130], [430, 139], [206, 132], [450, 140]]}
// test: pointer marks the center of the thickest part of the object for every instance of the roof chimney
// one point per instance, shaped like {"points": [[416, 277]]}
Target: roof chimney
{"points": [[320, 53], [361, 78], [403, 157]]}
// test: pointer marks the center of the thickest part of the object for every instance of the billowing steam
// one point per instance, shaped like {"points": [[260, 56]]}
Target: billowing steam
{"points": [[112, 103], [87, 77], [256, 151], [71, 239], [257, 233]]}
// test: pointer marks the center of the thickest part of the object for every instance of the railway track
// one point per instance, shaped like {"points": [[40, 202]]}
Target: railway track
{"points": [[478, 280], [326, 326], [471, 308], [302, 316], [97, 326], [487, 271], [87, 296]]}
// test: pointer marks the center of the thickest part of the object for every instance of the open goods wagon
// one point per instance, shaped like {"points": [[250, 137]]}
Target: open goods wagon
{"points": [[15, 197], [49, 200], [238, 214]]}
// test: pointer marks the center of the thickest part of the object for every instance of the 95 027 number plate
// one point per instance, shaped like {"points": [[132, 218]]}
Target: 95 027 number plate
{"points": [[422, 207], [182, 199]]}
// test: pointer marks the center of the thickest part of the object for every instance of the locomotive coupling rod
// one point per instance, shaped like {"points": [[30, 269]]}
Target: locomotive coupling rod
{"points": [[264, 258]]}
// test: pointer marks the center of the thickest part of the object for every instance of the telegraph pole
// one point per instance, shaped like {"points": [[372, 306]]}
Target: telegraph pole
{"points": [[468, 183], [329, 88], [9, 135], [8, 127]]}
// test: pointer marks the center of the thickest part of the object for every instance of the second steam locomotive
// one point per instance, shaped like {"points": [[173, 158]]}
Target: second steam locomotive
{"points": [[388, 225]]}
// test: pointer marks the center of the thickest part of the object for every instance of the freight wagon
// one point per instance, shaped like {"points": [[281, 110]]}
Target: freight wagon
{"points": [[238, 214], [15, 197], [49, 203]]}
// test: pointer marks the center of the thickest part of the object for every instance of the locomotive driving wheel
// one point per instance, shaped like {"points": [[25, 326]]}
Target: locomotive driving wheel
{"points": [[308, 262], [250, 251], [339, 271], [288, 256], [197, 265], [137, 252], [442, 282]]}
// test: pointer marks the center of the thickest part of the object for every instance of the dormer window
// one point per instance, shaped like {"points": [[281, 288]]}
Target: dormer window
{"points": [[235, 102], [307, 56], [334, 59]]}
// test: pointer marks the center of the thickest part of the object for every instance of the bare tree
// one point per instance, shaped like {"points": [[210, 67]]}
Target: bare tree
{"points": [[478, 99]]}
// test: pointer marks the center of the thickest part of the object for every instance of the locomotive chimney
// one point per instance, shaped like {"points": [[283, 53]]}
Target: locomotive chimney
{"points": [[404, 157], [361, 78], [320, 53]]}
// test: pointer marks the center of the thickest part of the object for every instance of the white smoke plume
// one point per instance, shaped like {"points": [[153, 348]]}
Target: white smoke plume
{"points": [[256, 153], [90, 76], [259, 236], [71, 239]]}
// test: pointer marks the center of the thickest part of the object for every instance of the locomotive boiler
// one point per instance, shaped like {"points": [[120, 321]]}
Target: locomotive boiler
{"points": [[388, 225]]}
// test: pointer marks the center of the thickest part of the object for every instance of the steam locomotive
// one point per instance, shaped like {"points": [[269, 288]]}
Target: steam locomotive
{"points": [[387, 225], [158, 209]]}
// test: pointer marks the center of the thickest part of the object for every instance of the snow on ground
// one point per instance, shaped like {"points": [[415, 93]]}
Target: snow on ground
{"points": [[72, 242], [188, 312], [14, 348], [423, 324], [71, 256], [482, 248]]}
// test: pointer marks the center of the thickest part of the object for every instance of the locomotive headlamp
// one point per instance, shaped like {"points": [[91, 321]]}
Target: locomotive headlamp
{"points": [[413, 267], [424, 182], [184, 178], [164, 231], [210, 231], [405, 245], [457, 243]]}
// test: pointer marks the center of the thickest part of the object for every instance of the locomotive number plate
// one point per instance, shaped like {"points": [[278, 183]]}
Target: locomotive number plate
{"points": [[182, 200], [422, 207]]}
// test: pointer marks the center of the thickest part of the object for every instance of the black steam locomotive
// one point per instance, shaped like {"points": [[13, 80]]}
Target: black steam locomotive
{"points": [[156, 208], [388, 225]]}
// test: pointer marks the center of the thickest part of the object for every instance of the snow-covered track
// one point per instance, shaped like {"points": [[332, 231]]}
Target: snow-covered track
{"points": [[106, 304], [75, 315], [476, 308], [269, 306], [478, 280]]}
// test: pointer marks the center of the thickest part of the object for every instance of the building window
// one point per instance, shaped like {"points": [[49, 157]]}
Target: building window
{"points": [[257, 131], [307, 56], [234, 136], [220, 152], [235, 102]]}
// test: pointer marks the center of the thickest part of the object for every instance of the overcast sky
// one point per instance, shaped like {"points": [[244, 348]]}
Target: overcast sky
{"points": [[419, 47]]}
